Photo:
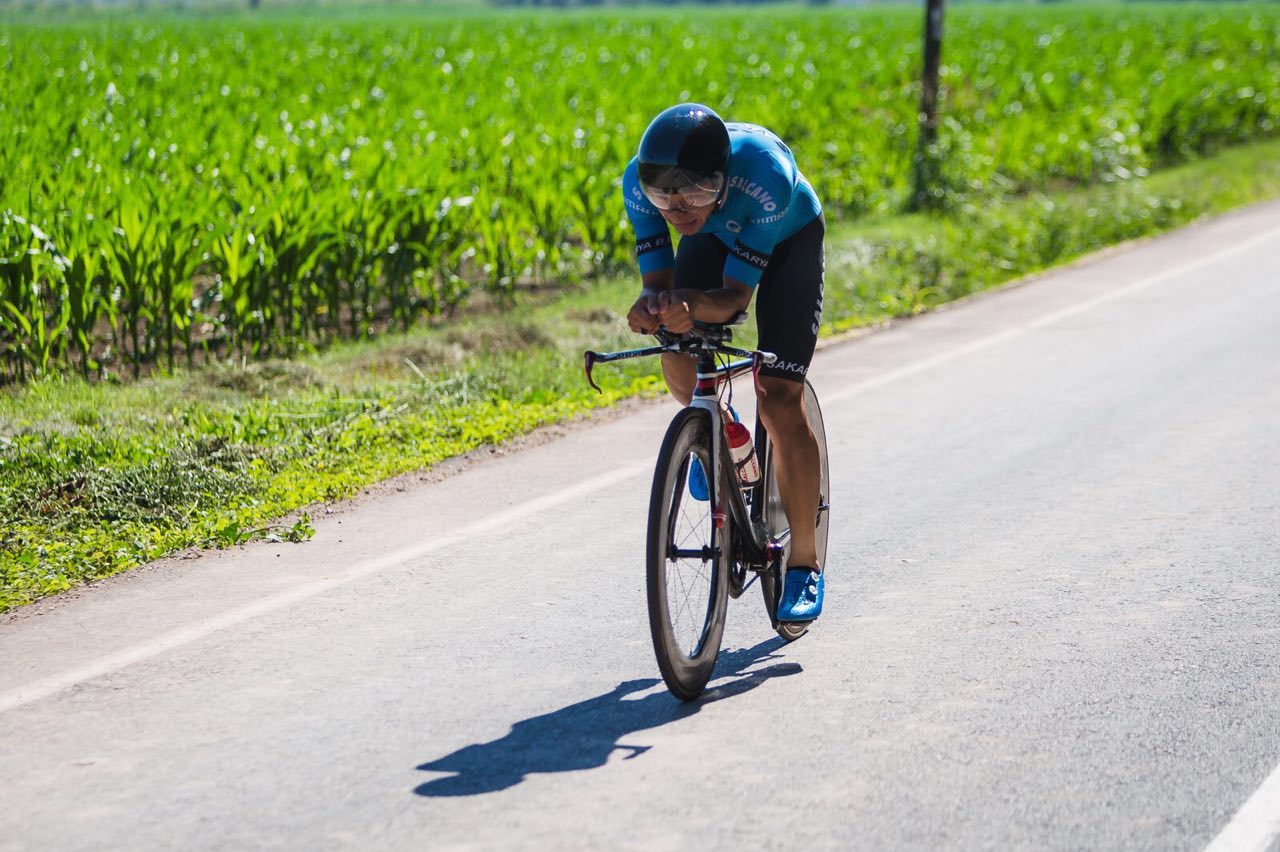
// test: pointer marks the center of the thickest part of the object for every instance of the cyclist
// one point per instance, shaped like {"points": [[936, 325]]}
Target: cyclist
{"points": [[748, 220]]}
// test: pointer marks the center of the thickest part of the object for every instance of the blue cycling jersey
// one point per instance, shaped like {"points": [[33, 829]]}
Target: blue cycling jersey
{"points": [[768, 201]]}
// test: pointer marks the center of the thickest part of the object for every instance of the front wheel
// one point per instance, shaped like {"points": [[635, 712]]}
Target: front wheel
{"points": [[775, 519], [687, 560]]}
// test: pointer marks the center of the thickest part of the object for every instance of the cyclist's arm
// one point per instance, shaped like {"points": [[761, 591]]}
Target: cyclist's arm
{"points": [[661, 304], [657, 281], [719, 305], [766, 208]]}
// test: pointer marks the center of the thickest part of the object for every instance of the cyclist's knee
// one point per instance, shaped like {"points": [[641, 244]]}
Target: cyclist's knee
{"points": [[782, 405], [681, 374]]}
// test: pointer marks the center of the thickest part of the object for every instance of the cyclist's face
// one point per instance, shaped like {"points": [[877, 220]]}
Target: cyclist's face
{"points": [[689, 220]]}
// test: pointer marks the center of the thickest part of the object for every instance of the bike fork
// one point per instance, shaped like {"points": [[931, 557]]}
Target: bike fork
{"points": [[706, 396]]}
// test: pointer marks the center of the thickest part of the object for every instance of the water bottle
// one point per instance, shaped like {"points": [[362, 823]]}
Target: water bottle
{"points": [[743, 453]]}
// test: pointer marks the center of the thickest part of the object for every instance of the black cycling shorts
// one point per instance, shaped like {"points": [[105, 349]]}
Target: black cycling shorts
{"points": [[788, 301]]}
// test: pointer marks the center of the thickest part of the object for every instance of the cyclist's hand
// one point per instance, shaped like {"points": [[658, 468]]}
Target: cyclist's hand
{"points": [[674, 312], [643, 316]]}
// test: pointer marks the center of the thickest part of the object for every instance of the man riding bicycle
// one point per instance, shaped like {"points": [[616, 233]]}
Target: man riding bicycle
{"points": [[748, 220]]}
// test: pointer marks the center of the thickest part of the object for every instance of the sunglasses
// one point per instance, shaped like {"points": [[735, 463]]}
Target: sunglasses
{"points": [[702, 193]]}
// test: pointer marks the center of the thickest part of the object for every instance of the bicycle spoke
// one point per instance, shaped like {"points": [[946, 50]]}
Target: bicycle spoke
{"points": [[691, 593], [689, 647], [689, 581]]}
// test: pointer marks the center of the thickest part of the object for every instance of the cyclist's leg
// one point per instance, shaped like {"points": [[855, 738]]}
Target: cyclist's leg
{"points": [[681, 373], [788, 311], [796, 464]]}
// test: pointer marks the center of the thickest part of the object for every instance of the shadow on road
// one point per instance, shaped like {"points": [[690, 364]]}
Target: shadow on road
{"points": [[583, 735]]}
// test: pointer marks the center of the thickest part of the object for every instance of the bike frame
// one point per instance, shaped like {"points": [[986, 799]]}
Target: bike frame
{"points": [[759, 548]]}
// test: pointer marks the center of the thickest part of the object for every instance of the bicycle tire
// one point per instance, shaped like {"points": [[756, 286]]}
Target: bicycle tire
{"points": [[688, 597], [775, 518]]}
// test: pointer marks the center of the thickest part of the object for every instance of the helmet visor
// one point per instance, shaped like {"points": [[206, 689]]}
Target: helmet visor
{"points": [[678, 189]]}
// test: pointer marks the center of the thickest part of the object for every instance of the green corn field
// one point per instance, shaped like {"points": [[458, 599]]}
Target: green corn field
{"points": [[175, 189]]}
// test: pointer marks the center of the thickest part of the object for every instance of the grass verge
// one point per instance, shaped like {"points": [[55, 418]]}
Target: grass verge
{"points": [[97, 479]]}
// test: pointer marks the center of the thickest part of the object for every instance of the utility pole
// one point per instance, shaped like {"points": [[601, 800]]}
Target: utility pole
{"points": [[926, 164]]}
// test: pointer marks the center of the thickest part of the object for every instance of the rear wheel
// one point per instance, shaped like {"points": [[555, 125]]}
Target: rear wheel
{"points": [[775, 518], [687, 561]]}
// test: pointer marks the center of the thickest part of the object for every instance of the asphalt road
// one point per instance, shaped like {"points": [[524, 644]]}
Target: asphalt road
{"points": [[1053, 621]]}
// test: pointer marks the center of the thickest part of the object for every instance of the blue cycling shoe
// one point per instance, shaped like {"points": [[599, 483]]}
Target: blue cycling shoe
{"points": [[698, 488], [801, 595]]}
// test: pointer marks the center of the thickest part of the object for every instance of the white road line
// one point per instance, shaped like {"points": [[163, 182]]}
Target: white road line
{"points": [[1256, 826], [1040, 322], [144, 650], [48, 686]]}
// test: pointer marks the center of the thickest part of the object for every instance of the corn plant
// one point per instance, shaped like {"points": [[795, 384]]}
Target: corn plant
{"points": [[249, 187]]}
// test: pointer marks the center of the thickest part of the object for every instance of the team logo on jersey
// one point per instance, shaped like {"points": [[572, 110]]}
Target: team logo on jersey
{"points": [[648, 244], [733, 227], [640, 206], [750, 256], [751, 189]]}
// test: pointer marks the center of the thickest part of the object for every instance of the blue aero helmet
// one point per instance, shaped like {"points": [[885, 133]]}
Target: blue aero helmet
{"points": [[683, 158]]}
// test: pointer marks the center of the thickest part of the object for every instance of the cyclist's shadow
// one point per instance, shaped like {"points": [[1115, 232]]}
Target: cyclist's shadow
{"points": [[583, 735]]}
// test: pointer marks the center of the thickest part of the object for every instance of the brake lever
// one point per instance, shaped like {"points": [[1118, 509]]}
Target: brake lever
{"points": [[591, 359]]}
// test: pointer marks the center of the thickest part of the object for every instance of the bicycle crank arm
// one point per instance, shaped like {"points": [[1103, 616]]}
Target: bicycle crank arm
{"points": [[777, 545]]}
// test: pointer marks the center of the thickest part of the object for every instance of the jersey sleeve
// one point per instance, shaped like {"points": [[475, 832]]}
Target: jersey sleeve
{"points": [[653, 237], [768, 185]]}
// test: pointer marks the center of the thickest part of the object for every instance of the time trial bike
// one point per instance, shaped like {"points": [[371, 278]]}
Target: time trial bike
{"points": [[702, 552]]}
